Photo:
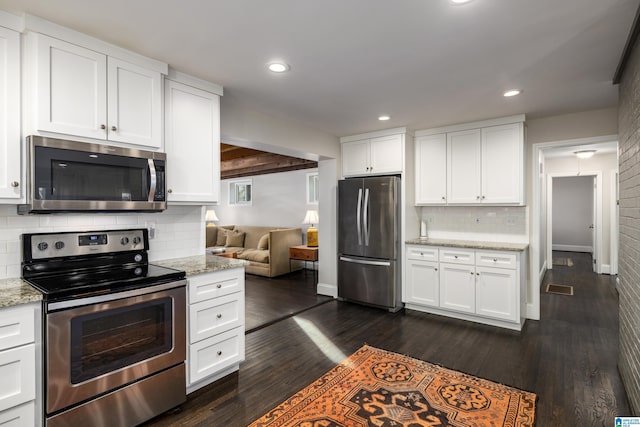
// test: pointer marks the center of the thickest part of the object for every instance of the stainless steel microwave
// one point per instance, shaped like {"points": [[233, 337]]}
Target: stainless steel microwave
{"points": [[77, 176]]}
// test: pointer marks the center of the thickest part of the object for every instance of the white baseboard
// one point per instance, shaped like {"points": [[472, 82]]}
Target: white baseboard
{"points": [[606, 269], [541, 273], [327, 289], [572, 248], [533, 312]]}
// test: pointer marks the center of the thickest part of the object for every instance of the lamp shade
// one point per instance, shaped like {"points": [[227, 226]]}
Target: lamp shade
{"points": [[311, 217], [211, 216]]}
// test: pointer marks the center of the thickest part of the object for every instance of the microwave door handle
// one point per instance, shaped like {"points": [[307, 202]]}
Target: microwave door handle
{"points": [[153, 182]]}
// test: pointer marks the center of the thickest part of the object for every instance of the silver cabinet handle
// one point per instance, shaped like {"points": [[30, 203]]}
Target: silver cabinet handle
{"points": [[482, 197], [443, 198], [495, 260], [103, 127], [471, 272], [477, 197], [113, 128], [169, 191], [219, 316], [15, 184], [219, 285], [219, 353]]}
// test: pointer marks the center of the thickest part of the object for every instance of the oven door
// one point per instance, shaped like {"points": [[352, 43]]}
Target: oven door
{"points": [[96, 348]]}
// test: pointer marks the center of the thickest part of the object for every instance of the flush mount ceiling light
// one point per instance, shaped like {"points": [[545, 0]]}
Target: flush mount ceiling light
{"points": [[512, 92], [584, 154], [384, 118], [278, 67], [459, 1]]}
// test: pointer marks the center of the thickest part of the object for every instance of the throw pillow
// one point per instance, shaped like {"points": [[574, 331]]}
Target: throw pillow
{"points": [[263, 243], [235, 239], [221, 238]]}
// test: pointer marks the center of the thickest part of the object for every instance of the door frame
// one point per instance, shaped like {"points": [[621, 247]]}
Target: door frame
{"points": [[614, 223], [597, 214], [536, 273]]}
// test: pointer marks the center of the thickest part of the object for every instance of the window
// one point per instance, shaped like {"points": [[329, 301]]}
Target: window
{"points": [[240, 192], [312, 188]]}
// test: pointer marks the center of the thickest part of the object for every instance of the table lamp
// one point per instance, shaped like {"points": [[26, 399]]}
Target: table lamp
{"points": [[312, 233], [210, 217]]}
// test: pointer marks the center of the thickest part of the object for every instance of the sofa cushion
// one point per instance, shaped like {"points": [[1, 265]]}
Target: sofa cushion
{"points": [[235, 238], [254, 233], [263, 243], [221, 240], [257, 255]]}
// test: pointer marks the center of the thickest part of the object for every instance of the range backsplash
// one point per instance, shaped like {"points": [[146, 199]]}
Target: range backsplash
{"points": [[179, 231]]}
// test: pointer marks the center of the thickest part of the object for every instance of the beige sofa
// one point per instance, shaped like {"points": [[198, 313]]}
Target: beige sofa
{"points": [[266, 248]]}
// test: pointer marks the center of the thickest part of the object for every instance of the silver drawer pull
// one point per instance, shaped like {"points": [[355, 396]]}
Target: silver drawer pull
{"points": [[219, 285], [495, 260], [455, 256], [219, 352], [219, 316]]}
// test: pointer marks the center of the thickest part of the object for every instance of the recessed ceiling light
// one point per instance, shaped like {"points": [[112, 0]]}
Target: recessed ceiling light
{"points": [[278, 67], [383, 118], [459, 1], [512, 92], [584, 154]]}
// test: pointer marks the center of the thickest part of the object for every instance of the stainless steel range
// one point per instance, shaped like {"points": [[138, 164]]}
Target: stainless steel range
{"points": [[114, 327]]}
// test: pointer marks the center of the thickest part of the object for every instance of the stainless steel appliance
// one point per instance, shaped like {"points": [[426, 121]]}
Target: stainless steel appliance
{"points": [[368, 241], [76, 176], [114, 329]]}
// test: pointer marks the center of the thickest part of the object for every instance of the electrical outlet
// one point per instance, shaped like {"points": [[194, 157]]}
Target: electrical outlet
{"points": [[151, 226], [511, 220]]}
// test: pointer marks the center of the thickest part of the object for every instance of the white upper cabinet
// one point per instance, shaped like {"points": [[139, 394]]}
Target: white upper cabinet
{"points": [[477, 163], [431, 169], [82, 92], [10, 182], [192, 143], [377, 155]]}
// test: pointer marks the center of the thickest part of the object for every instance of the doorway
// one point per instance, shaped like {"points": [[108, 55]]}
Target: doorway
{"points": [[574, 217]]}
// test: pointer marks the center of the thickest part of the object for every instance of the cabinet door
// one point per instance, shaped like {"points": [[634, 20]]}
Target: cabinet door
{"points": [[135, 104], [355, 158], [17, 370], [386, 154], [423, 283], [458, 288], [9, 114], [496, 293], [502, 164], [192, 143], [71, 88], [463, 167], [431, 170]]}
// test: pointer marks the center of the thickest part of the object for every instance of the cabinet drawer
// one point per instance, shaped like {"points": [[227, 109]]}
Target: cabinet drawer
{"points": [[212, 355], [422, 253], [17, 370], [211, 317], [457, 256], [496, 259], [303, 254], [21, 416], [17, 326], [211, 285]]}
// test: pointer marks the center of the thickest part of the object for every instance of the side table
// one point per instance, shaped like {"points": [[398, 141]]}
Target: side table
{"points": [[307, 254]]}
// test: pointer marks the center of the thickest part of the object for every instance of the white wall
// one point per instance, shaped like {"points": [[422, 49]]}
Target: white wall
{"points": [[572, 213], [278, 199], [179, 231]]}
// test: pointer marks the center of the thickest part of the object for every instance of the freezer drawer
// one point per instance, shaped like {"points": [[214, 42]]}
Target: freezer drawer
{"points": [[368, 281]]}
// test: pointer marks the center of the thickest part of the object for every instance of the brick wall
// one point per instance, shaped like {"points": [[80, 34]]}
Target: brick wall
{"points": [[629, 261]]}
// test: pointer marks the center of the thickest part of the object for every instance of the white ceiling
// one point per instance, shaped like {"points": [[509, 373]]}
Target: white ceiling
{"points": [[426, 63]]}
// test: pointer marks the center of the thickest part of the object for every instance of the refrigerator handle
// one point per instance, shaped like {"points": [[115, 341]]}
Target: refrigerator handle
{"points": [[366, 217], [365, 262], [358, 216]]}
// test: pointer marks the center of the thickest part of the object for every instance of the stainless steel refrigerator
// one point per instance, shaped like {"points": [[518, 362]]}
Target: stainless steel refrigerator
{"points": [[368, 241]]}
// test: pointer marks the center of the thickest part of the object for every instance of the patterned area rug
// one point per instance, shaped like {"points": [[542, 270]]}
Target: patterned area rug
{"points": [[375, 387]]}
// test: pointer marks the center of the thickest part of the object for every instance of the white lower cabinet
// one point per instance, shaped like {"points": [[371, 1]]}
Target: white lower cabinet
{"points": [[18, 366], [216, 344], [476, 285]]}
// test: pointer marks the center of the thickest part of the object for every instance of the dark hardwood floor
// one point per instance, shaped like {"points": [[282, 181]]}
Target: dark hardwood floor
{"points": [[568, 357]]}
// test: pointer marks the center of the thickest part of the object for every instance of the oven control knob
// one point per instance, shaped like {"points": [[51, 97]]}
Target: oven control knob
{"points": [[137, 258], [43, 246], [137, 271], [136, 240], [124, 240], [59, 245]]}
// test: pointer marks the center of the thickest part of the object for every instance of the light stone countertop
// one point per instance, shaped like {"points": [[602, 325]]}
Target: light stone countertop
{"points": [[16, 291], [201, 264], [470, 244]]}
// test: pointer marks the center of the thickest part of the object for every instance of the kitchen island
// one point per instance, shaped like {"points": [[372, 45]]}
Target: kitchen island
{"points": [[478, 281]]}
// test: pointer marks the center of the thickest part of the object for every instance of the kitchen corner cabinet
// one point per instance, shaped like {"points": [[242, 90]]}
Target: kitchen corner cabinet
{"points": [[477, 166], [18, 368], [10, 182], [82, 92], [216, 341], [192, 143], [471, 284], [373, 156]]}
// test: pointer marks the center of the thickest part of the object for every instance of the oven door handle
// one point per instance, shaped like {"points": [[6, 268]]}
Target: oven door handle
{"points": [[54, 306]]}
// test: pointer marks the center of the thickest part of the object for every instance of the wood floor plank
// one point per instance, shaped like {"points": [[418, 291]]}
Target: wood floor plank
{"points": [[568, 358]]}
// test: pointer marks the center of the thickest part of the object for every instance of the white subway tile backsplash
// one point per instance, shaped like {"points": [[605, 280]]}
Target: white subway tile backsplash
{"points": [[476, 222]]}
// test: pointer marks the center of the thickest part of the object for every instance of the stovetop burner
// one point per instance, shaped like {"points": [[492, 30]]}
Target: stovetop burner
{"points": [[73, 265]]}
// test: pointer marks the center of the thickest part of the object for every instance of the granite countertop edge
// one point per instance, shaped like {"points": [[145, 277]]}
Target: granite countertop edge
{"points": [[200, 264], [15, 291], [470, 244]]}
